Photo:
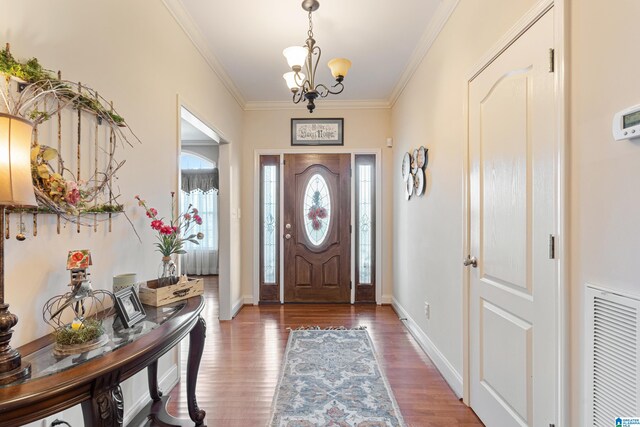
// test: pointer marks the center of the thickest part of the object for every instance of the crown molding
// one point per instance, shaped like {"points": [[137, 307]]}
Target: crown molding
{"points": [[185, 21], [330, 104], [437, 23]]}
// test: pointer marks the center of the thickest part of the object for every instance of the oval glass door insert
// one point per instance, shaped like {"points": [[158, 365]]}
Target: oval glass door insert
{"points": [[316, 209]]}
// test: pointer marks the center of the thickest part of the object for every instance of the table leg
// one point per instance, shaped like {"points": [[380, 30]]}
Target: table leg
{"points": [[152, 377], [196, 346], [106, 407]]}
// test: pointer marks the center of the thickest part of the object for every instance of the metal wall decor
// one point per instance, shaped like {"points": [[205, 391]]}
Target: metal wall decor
{"points": [[413, 174]]}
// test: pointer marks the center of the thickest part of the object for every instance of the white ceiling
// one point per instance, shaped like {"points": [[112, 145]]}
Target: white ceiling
{"points": [[243, 41]]}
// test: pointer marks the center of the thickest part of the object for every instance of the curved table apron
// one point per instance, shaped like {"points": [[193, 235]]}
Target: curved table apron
{"points": [[96, 383]]}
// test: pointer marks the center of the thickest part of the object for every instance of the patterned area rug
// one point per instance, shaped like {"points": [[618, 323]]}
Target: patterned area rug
{"points": [[332, 378]]}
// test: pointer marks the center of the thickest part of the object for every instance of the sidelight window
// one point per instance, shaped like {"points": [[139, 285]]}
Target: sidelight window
{"points": [[365, 228], [269, 227]]}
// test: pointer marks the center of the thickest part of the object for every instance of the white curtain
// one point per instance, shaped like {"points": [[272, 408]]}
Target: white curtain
{"points": [[202, 259]]}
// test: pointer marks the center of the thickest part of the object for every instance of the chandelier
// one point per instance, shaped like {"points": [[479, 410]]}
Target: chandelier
{"points": [[303, 86]]}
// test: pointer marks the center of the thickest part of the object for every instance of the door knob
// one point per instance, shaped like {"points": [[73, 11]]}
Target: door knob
{"points": [[288, 226], [287, 236], [470, 261]]}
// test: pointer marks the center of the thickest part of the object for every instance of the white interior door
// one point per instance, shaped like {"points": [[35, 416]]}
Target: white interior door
{"points": [[513, 180]]}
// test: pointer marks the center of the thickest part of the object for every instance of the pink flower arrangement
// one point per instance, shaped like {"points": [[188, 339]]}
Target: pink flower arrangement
{"points": [[72, 195], [316, 214], [170, 235]]}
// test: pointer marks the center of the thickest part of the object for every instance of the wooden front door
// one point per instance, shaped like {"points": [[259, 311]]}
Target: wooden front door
{"points": [[317, 240]]}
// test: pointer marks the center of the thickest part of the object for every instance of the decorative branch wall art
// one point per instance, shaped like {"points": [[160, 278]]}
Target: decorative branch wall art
{"points": [[413, 172], [76, 135]]}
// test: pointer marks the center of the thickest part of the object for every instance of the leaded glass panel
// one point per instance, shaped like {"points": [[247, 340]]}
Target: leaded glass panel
{"points": [[365, 211], [317, 209], [269, 231]]}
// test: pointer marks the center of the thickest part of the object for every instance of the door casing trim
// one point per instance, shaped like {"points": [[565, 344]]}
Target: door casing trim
{"points": [[562, 301], [224, 266], [377, 152]]}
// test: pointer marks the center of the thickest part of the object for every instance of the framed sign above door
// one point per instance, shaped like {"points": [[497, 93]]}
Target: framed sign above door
{"points": [[317, 132]]}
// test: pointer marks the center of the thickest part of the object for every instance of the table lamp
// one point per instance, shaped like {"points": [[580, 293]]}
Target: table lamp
{"points": [[16, 189]]}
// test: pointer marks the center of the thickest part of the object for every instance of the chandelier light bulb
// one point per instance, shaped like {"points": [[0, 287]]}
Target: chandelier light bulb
{"points": [[290, 78], [339, 68], [296, 57]]}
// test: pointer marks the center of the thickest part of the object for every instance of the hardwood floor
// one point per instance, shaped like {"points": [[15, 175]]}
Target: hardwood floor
{"points": [[242, 359]]}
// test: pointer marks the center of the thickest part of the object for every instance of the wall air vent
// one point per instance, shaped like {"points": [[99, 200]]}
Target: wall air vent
{"points": [[613, 324]]}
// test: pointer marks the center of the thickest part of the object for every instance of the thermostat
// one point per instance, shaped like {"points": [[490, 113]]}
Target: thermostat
{"points": [[626, 123]]}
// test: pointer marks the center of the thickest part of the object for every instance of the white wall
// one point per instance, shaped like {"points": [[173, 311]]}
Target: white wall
{"points": [[363, 129], [135, 54], [605, 207], [427, 231]]}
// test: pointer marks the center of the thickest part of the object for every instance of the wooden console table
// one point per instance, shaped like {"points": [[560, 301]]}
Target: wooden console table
{"points": [[93, 379]]}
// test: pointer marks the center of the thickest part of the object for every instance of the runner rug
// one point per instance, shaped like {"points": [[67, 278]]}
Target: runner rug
{"points": [[332, 378]]}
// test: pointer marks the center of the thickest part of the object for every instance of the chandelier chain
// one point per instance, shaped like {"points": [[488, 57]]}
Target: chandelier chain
{"points": [[310, 32]]}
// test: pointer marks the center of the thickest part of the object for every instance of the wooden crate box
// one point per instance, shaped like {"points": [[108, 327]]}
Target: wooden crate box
{"points": [[168, 294]]}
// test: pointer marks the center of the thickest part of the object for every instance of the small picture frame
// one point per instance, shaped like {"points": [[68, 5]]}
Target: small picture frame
{"points": [[317, 131], [129, 307]]}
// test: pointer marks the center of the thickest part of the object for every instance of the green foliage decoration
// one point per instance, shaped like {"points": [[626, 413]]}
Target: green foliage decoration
{"points": [[91, 329], [32, 72]]}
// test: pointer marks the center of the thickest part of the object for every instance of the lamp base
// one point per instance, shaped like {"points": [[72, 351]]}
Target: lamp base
{"points": [[23, 371], [11, 366]]}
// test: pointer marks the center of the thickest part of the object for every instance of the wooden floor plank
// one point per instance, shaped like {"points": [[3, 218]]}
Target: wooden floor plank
{"points": [[242, 360]]}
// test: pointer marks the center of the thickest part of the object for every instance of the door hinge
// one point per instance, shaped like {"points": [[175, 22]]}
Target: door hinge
{"points": [[350, 172], [350, 229], [350, 284], [552, 425], [552, 246], [552, 54]]}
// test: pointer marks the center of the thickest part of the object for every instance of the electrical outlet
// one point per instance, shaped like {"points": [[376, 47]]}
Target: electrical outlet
{"points": [[427, 310]]}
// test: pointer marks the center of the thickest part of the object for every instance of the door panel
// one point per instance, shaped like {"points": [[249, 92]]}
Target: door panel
{"points": [[317, 214], [512, 160]]}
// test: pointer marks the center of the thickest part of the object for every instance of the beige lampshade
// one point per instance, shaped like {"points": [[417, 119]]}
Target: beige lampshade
{"points": [[339, 67], [16, 185], [296, 56], [290, 78]]}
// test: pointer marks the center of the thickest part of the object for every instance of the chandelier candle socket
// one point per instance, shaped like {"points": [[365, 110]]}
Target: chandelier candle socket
{"points": [[307, 57]]}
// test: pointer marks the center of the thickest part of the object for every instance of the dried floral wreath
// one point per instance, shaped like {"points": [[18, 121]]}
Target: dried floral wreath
{"points": [[39, 95]]}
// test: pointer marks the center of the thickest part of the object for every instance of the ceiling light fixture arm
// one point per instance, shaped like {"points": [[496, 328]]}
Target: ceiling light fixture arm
{"points": [[324, 91]]}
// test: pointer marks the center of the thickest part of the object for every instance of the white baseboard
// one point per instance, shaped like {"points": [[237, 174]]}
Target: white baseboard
{"points": [[453, 377], [237, 306], [168, 381], [386, 299], [248, 300]]}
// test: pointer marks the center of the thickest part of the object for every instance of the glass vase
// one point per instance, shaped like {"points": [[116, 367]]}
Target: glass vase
{"points": [[167, 272]]}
